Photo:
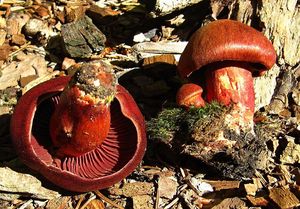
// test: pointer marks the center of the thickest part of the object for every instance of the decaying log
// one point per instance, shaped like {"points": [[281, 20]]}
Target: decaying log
{"points": [[81, 38]]}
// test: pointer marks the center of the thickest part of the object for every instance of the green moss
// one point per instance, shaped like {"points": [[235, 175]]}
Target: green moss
{"points": [[179, 121], [165, 124]]}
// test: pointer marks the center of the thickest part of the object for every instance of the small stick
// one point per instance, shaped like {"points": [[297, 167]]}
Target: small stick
{"points": [[79, 202], [157, 198], [173, 202], [27, 203], [92, 197], [106, 199]]}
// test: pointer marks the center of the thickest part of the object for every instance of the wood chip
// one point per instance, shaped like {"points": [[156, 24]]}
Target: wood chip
{"points": [[27, 79], [42, 11], [18, 39], [95, 204], [58, 203], [16, 22], [74, 13], [106, 199], [133, 189], [252, 188], [160, 47], [230, 203], [81, 38], [2, 36], [5, 50], [39, 80], [165, 58], [284, 198], [142, 202], [167, 186], [220, 185], [67, 62], [291, 153], [258, 201], [164, 7]]}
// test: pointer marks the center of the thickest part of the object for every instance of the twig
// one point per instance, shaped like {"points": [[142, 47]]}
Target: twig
{"points": [[173, 202], [27, 203], [79, 202], [20, 49], [161, 47], [12, 2], [92, 197], [106, 199], [157, 198]]}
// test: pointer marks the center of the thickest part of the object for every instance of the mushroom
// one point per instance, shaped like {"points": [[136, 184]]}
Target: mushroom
{"points": [[81, 119], [229, 53], [190, 95], [60, 112]]}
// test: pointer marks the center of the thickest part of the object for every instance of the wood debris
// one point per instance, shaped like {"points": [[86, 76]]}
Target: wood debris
{"points": [[231, 203], [165, 58], [221, 185], [81, 38], [164, 7], [258, 201], [39, 40], [59, 202], [167, 186], [133, 189], [142, 202], [284, 198]]}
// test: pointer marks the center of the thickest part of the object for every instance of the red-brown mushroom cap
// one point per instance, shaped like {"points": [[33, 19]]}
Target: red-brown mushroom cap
{"points": [[190, 95], [113, 160], [226, 40]]}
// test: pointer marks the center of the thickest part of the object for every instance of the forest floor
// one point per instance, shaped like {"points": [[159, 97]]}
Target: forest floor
{"points": [[144, 51]]}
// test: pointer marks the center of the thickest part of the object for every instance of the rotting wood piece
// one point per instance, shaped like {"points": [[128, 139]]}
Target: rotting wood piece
{"points": [[224, 184], [82, 38], [284, 198]]}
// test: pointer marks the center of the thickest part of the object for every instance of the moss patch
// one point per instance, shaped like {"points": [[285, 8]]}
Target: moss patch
{"points": [[173, 121], [202, 134]]}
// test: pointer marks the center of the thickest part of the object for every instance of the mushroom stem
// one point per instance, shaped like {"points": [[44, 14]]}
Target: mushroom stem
{"points": [[231, 83], [81, 120]]}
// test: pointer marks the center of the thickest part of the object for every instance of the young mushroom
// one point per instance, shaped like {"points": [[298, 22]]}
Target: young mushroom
{"points": [[82, 133], [190, 95], [229, 53]]}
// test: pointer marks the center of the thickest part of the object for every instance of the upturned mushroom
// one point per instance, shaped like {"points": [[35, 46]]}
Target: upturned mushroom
{"points": [[229, 54], [83, 132]]}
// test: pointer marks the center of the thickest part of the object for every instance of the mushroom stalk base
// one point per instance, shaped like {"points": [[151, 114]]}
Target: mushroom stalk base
{"points": [[81, 120], [233, 85], [77, 127]]}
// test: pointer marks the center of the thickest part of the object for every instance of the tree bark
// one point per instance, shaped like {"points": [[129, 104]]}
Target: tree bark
{"points": [[279, 20]]}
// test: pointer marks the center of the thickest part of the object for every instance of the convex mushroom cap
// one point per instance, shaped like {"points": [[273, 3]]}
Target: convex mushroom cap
{"points": [[226, 40], [190, 95]]}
